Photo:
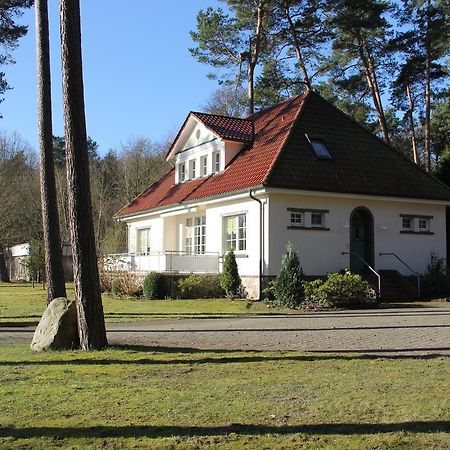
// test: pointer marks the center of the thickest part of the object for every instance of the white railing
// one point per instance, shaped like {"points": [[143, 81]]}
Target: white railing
{"points": [[164, 261]]}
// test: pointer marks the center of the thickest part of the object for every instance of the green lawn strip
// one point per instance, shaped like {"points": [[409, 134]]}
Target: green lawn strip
{"points": [[21, 304], [128, 397]]}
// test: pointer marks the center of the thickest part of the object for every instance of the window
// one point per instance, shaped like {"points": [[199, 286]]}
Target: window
{"points": [[423, 224], [236, 233], [407, 223], [195, 235], [143, 241], [316, 219], [297, 218], [182, 172], [204, 165], [192, 168], [319, 147], [216, 162], [412, 223], [307, 218]]}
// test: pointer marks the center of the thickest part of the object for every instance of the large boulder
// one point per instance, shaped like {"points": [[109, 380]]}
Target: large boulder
{"points": [[58, 327]]}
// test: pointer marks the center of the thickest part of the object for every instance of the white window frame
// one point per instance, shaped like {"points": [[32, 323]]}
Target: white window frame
{"points": [[420, 222], [297, 219], [195, 235], [192, 168], [182, 172], [216, 162], [411, 223], [143, 249], [204, 165], [322, 220], [237, 239]]}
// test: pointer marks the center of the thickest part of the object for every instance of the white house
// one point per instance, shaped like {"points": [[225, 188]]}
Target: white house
{"points": [[300, 172]]}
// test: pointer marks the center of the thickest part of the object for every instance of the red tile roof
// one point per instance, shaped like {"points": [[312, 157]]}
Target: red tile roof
{"points": [[228, 128], [280, 156]]}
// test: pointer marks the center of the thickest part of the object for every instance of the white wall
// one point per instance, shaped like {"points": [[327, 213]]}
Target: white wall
{"points": [[248, 260], [157, 233], [320, 251]]}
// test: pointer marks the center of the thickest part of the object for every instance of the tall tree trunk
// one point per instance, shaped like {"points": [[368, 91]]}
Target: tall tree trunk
{"points": [[371, 78], [3, 270], [50, 220], [427, 110], [411, 122], [254, 55], [298, 50], [91, 322]]}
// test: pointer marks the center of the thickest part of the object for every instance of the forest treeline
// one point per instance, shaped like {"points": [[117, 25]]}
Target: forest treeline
{"points": [[383, 62], [115, 179]]}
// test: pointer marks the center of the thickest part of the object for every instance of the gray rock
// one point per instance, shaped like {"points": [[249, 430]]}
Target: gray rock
{"points": [[58, 327]]}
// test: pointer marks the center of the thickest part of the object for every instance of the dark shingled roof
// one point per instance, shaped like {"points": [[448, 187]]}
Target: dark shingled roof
{"points": [[361, 163], [280, 156]]}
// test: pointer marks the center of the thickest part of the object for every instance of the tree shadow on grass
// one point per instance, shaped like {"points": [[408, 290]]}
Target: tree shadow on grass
{"points": [[31, 323], [155, 431], [236, 357]]}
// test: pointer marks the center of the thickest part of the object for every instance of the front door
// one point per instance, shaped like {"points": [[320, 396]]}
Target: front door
{"points": [[361, 240]]}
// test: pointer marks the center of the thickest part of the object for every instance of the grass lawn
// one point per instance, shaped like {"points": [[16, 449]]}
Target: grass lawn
{"points": [[137, 397], [21, 304]]}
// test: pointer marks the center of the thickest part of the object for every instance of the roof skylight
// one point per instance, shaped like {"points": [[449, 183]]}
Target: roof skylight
{"points": [[319, 147]]}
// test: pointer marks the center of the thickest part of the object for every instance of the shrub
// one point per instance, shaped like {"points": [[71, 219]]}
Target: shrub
{"points": [[288, 287], [230, 281], [339, 290], [155, 286], [127, 284], [200, 286], [436, 280]]}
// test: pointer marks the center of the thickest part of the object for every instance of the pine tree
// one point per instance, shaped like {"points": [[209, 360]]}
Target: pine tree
{"points": [[91, 322], [288, 286], [230, 280], [50, 220]]}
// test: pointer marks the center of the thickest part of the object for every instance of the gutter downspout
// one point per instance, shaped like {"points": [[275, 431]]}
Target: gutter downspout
{"points": [[261, 240]]}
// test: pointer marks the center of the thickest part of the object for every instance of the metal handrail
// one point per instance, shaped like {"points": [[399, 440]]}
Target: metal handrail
{"points": [[371, 268], [417, 274]]}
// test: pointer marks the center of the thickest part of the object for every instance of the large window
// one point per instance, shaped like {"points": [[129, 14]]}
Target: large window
{"points": [[195, 235], [143, 241], [236, 233]]}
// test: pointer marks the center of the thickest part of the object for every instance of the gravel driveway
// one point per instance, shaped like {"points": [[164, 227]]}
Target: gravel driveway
{"points": [[392, 331]]}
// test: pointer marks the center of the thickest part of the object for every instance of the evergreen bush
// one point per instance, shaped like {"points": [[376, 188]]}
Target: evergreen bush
{"points": [[200, 286], [155, 287], [436, 280], [339, 291], [230, 281], [288, 287]]}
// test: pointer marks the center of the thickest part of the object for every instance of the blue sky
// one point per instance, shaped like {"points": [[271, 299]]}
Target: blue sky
{"points": [[139, 77]]}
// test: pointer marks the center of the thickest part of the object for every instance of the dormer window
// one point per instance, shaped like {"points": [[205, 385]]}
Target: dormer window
{"points": [[204, 165], [182, 172], [192, 169], [216, 156], [319, 147]]}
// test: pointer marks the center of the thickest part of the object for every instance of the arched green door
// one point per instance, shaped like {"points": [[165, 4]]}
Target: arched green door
{"points": [[361, 240]]}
